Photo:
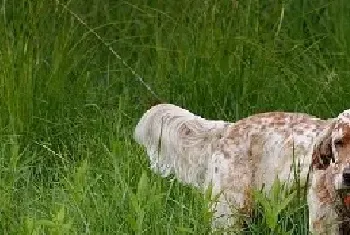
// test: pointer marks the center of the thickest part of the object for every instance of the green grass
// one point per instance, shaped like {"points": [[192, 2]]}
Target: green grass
{"points": [[75, 76]]}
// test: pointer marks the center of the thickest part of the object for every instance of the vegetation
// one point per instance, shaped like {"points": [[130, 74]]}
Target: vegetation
{"points": [[75, 76]]}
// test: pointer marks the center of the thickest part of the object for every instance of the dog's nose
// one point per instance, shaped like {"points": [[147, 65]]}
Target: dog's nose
{"points": [[346, 176]]}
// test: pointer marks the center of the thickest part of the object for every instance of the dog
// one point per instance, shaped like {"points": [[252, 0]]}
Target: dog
{"points": [[233, 159]]}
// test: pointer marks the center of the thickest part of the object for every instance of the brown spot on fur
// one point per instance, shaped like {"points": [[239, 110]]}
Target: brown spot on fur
{"points": [[263, 121], [227, 155], [234, 131], [248, 202], [256, 145], [346, 133], [299, 132], [317, 225]]}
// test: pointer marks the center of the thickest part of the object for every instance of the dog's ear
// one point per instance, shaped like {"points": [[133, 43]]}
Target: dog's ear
{"points": [[322, 154]]}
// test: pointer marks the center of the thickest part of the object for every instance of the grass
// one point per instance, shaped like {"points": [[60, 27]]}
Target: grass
{"points": [[75, 76]]}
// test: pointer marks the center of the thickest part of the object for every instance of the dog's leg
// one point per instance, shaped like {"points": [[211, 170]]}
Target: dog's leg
{"points": [[322, 214], [231, 199], [230, 212]]}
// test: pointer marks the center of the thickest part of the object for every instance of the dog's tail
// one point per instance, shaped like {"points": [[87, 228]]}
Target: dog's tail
{"points": [[178, 141]]}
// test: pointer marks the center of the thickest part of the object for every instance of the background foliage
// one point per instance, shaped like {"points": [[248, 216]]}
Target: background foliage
{"points": [[75, 76]]}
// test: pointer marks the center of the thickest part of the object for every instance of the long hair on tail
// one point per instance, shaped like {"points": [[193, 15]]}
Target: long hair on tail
{"points": [[179, 142]]}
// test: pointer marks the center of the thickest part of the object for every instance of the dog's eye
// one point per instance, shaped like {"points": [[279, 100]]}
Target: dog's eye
{"points": [[338, 143]]}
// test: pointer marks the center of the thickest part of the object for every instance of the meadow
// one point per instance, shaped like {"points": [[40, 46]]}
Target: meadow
{"points": [[75, 77]]}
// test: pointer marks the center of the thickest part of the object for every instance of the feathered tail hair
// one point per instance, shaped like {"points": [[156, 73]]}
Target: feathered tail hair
{"points": [[179, 142]]}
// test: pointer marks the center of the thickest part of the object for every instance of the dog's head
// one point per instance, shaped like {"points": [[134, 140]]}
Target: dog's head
{"points": [[332, 150]]}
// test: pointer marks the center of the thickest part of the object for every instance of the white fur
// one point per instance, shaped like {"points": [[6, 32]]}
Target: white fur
{"points": [[179, 142]]}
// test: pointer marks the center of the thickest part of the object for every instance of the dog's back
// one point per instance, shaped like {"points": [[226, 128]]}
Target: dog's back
{"points": [[272, 143]]}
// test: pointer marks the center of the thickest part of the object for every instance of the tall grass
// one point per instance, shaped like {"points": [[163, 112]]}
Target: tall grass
{"points": [[70, 97]]}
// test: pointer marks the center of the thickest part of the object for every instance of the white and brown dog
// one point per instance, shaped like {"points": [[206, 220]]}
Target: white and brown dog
{"points": [[243, 156]]}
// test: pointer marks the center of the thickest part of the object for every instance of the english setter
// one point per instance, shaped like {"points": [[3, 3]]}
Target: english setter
{"points": [[235, 158]]}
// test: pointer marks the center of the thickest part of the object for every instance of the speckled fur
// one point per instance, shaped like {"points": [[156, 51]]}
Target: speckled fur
{"points": [[236, 158], [326, 207]]}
